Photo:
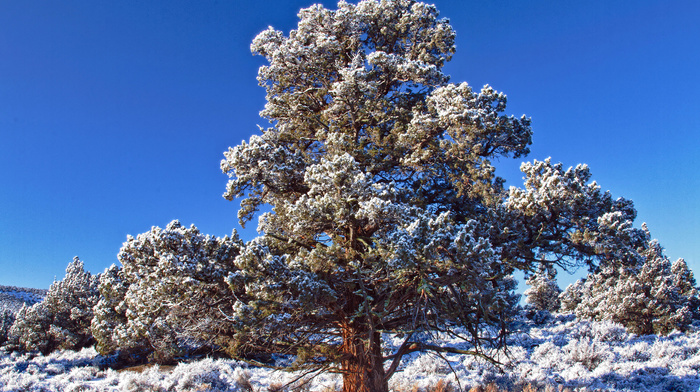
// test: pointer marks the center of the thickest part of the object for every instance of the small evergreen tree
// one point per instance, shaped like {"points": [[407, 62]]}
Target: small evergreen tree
{"points": [[652, 296], [543, 293], [7, 318], [166, 299], [30, 330], [62, 320]]}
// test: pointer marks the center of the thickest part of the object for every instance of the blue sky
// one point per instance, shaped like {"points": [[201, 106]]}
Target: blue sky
{"points": [[114, 115]]}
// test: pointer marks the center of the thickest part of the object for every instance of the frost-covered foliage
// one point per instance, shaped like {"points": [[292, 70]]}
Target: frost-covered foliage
{"points": [[376, 170], [543, 291], [579, 355], [654, 296], [62, 320], [562, 217], [166, 299], [602, 356], [7, 318], [385, 211], [30, 329]]}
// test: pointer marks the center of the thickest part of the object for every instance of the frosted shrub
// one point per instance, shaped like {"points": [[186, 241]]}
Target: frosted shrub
{"points": [[637, 352], [169, 298], [428, 364], [206, 374], [556, 357], [542, 295], [150, 379], [604, 331], [62, 320], [547, 354], [29, 331], [587, 352]]}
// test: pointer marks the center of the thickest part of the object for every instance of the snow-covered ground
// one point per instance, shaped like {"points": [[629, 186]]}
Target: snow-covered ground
{"points": [[581, 355], [12, 298]]}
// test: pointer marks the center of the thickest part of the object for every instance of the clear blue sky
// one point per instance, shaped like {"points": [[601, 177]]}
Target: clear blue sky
{"points": [[114, 115]]}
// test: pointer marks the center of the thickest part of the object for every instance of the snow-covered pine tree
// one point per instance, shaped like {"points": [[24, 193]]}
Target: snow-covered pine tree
{"points": [[684, 281], [165, 300], [7, 318], [110, 312], [30, 330], [543, 291], [62, 320], [562, 217], [652, 296], [385, 212]]}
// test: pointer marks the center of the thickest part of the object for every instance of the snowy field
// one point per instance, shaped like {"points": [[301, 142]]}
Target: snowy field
{"points": [[580, 355]]}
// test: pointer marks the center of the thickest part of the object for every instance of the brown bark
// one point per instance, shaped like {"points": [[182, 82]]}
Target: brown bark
{"points": [[362, 363]]}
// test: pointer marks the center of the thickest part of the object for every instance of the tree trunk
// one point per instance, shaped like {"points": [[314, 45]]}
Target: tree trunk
{"points": [[362, 364]]}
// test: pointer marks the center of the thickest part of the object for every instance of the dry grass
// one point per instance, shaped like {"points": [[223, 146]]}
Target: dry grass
{"points": [[525, 388], [447, 386], [142, 368], [295, 387], [441, 386], [243, 382]]}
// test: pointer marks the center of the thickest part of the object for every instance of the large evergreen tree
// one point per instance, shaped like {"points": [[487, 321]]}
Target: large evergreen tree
{"points": [[384, 210]]}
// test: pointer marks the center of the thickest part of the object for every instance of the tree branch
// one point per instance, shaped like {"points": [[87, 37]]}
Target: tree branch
{"points": [[412, 347]]}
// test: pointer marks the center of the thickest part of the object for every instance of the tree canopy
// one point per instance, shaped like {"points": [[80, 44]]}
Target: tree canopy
{"points": [[383, 210]]}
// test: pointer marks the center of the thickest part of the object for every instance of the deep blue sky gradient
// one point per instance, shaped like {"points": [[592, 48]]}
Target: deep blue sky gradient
{"points": [[114, 115]]}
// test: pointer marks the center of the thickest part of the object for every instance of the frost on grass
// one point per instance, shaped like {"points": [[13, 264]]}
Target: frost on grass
{"points": [[580, 355]]}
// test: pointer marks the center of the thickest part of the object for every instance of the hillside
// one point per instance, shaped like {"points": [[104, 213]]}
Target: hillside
{"points": [[12, 298]]}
